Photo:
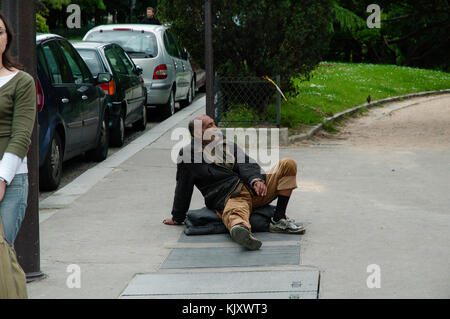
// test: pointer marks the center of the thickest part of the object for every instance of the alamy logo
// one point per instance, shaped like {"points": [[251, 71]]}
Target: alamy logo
{"points": [[210, 146], [74, 19], [374, 20], [74, 279], [374, 279]]}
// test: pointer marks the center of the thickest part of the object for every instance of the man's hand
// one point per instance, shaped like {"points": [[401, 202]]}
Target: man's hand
{"points": [[260, 188], [170, 221], [2, 189]]}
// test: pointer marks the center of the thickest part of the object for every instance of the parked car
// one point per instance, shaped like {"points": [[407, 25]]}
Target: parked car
{"points": [[167, 72], [72, 108], [125, 93]]}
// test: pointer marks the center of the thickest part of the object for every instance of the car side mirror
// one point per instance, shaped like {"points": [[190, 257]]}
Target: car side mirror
{"points": [[103, 77], [139, 70]]}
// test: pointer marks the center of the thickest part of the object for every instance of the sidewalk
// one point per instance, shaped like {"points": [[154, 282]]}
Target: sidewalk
{"points": [[108, 220], [361, 207]]}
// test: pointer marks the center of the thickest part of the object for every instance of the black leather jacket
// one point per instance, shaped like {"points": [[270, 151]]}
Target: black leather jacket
{"points": [[214, 181]]}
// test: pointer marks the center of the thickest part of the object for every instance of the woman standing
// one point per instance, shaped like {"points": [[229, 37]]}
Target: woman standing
{"points": [[17, 115]]}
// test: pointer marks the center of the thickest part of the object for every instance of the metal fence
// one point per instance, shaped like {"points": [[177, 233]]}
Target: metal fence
{"points": [[252, 93]]}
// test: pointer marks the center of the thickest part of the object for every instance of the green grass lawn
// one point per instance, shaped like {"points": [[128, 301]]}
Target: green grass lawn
{"points": [[335, 87]]}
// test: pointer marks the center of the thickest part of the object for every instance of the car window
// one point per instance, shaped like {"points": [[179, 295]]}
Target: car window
{"points": [[92, 60], [125, 60], [135, 43], [115, 62], [58, 71], [174, 40], [43, 63], [171, 45], [79, 73]]}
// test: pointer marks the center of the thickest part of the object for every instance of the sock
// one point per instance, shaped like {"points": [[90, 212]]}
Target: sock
{"points": [[280, 210]]}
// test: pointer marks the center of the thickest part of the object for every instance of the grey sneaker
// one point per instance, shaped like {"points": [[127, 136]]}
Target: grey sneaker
{"points": [[286, 226], [244, 237]]}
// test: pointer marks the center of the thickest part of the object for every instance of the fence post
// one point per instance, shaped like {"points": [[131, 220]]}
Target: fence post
{"points": [[278, 80], [209, 63]]}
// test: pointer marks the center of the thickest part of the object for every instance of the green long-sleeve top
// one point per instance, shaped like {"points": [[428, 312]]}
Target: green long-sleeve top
{"points": [[17, 114]]}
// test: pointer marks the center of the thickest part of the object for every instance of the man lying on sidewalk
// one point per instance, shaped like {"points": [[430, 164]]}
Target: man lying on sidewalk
{"points": [[231, 183]]}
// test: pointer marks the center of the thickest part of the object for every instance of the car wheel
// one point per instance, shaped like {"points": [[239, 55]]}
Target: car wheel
{"points": [[100, 153], [142, 123], [169, 108], [118, 133], [190, 96], [50, 172]]}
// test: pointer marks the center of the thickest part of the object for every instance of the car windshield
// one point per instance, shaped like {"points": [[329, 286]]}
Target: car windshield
{"points": [[92, 61], [135, 43]]}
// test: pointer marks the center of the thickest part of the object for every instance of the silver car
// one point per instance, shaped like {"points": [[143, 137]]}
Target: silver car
{"points": [[167, 72]]}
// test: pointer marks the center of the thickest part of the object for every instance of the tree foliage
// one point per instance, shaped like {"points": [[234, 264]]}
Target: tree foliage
{"points": [[412, 33], [286, 37], [255, 37]]}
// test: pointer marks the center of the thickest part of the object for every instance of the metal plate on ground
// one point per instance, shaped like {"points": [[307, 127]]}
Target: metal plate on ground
{"points": [[217, 257], [273, 284], [225, 238]]}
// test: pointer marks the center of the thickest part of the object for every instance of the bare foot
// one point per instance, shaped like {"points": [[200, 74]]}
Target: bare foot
{"points": [[170, 221]]}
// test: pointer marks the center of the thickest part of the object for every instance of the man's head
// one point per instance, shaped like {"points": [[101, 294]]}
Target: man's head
{"points": [[206, 124], [150, 12]]}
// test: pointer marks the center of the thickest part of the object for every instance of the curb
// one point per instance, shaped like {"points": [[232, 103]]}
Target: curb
{"points": [[83, 183], [315, 129]]}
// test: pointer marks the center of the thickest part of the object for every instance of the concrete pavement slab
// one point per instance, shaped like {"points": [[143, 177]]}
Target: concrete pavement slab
{"points": [[285, 284]]}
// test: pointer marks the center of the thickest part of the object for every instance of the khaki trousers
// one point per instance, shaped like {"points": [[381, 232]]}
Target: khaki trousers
{"points": [[238, 209]]}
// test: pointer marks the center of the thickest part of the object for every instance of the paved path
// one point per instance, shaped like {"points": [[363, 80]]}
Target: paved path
{"points": [[378, 193], [384, 204]]}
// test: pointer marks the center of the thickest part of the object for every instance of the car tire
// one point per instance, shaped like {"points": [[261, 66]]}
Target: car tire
{"points": [[50, 171], [100, 153], [118, 133], [141, 124], [190, 96], [169, 108]]}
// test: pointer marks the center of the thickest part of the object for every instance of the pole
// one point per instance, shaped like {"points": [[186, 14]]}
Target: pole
{"points": [[209, 64], [22, 17], [278, 102]]}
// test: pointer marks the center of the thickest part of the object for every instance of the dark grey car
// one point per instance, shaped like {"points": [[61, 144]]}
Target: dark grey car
{"points": [[126, 94]]}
